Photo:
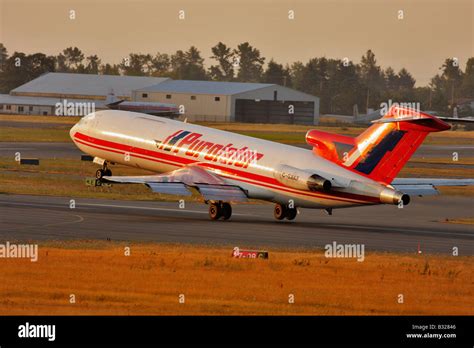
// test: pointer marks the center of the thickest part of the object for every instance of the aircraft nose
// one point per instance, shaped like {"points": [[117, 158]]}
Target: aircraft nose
{"points": [[73, 131]]}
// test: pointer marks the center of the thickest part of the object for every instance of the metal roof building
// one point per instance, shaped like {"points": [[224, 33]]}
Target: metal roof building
{"points": [[84, 86], [10, 104], [197, 100], [53, 93], [234, 101]]}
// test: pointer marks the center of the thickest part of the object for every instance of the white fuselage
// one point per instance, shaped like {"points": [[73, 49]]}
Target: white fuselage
{"points": [[147, 142]]}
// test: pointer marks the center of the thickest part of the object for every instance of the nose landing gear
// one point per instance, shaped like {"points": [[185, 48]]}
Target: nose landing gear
{"points": [[103, 172]]}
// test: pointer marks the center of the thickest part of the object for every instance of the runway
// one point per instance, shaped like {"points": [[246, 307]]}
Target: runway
{"points": [[380, 228]]}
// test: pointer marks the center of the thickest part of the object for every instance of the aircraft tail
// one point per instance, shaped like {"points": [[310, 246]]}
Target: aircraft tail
{"points": [[382, 150]]}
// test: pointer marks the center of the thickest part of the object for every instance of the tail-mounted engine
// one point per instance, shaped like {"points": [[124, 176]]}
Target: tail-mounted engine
{"points": [[301, 179]]}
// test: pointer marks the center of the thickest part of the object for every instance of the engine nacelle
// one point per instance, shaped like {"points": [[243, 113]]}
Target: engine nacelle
{"points": [[391, 196], [301, 179], [385, 194]]}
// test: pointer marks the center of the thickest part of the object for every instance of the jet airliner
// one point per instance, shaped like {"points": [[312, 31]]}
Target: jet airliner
{"points": [[225, 167]]}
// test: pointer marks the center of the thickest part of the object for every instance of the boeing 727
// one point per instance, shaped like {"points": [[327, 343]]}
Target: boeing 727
{"points": [[225, 167]]}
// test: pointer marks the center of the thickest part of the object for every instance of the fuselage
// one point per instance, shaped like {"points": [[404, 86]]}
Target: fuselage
{"points": [[161, 145]]}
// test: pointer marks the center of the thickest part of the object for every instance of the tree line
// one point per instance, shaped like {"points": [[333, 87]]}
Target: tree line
{"points": [[339, 83]]}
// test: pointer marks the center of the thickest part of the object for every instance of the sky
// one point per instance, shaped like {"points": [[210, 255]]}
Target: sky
{"points": [[430, 31]]}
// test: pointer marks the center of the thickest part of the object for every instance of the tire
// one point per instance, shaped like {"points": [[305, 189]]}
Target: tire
{"points": [[291, 213], [226, 211], [107, 172], [215, 211], [279, 212], [99, 174]]}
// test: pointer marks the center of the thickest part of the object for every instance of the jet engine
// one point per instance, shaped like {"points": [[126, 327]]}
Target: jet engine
{"points": [[301, 179], [391, 196], [385, 194]]}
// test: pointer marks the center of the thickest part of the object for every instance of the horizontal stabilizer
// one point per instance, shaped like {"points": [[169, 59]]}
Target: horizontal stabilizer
{"points": [[427, 186], [433, 181], [417, 190]]}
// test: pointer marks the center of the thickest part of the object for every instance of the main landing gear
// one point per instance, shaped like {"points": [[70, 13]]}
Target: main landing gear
{"points": [[219, 210], [283, 211], [103, 172]]}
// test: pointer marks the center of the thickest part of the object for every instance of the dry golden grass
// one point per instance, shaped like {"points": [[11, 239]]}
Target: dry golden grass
{"points": [[465, 221], [150, 280]]}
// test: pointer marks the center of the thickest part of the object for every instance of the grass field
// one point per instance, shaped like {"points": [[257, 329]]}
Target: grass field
{"points": [[62, 177], [149, 282]]}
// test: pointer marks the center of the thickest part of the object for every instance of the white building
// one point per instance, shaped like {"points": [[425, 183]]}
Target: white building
{"points": [[234, 101], [198, 100], [41, 95]]}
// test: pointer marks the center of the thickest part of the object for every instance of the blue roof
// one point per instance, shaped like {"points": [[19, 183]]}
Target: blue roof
{"points": [[204, 87]]}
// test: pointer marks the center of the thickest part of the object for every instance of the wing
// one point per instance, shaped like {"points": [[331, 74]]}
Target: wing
{"points": [[456, 120], [427, 186], [180, 181]]}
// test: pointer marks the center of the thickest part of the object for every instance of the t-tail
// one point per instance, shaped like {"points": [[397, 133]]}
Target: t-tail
{"points": [[382, 150]]}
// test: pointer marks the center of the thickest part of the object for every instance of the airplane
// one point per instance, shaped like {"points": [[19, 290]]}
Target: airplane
{"points": [[225, 167], [150, 108]]}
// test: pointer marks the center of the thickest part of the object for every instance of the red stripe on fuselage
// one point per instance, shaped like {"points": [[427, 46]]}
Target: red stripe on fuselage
{"points": [[231, 173]]}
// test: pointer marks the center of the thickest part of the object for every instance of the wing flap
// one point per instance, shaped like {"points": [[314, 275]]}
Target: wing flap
{"points": [[179, 182], [169, 188], [132, 179], [226, 193]]}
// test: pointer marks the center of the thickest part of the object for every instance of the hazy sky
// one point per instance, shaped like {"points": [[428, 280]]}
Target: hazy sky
{"points": [[431, 30]]}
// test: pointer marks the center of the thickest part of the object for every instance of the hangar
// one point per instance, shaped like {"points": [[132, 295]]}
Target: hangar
{"points": [[234, 101], [83, 86], [41, 95], [199, 100], [40, 105]]}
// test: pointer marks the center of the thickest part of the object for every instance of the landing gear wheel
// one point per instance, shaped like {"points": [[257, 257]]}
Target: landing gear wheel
{"points": [[291, 213], [215, 211], [99, 174], [226, 211], [280, 211], [108, 172]]}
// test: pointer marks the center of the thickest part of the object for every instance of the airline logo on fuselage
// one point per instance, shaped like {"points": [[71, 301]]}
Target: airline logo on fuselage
{"points": [[192, 145]]}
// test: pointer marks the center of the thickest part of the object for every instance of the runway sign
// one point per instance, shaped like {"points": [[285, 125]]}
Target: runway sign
{"points": [[96, 182], [249, 254], [87, 158], [31, 161]]}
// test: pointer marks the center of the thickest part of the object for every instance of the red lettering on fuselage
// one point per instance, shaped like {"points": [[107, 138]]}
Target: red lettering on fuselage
{"points": [[195, 146]]}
